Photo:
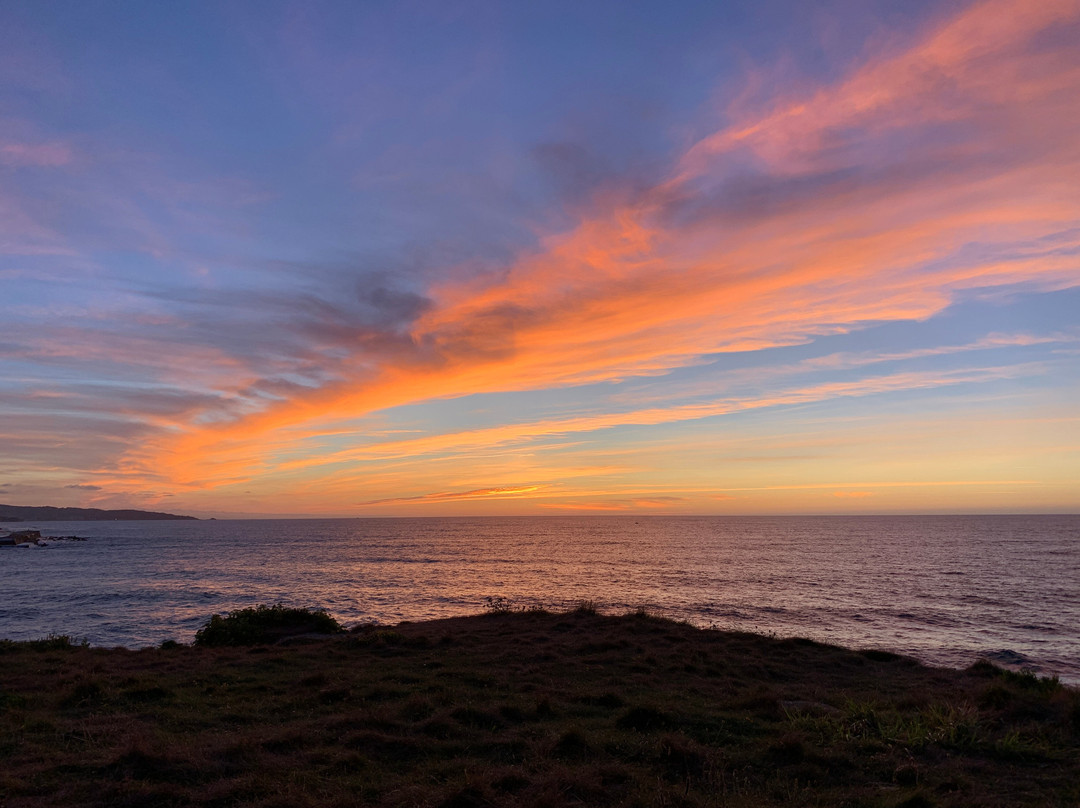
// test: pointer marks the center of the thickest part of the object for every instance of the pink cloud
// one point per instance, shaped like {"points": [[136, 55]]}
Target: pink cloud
{"points": [[42, 155], [850, 204]]}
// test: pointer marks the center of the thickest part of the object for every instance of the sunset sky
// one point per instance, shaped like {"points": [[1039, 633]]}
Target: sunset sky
{"points": [[371, 259]]}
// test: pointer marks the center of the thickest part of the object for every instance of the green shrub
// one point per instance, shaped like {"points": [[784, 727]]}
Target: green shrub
{"points": [[265, 624]]}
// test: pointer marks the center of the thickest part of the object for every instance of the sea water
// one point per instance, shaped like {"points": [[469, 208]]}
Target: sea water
{"points": [[945, 589]]}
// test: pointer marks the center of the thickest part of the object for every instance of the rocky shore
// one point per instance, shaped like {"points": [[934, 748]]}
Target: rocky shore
{"points": [[32, 538]]}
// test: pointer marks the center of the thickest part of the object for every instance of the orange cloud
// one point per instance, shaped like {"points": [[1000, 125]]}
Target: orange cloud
{"points": [[449, 496], [853, 494], [471, 441], [801, 221]]}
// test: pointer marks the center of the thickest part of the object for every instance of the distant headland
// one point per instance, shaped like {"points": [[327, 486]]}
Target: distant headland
{"points": [[20, 513]]}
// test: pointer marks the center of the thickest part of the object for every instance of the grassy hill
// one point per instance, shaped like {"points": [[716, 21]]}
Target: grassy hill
{"points": [[530, 709]]}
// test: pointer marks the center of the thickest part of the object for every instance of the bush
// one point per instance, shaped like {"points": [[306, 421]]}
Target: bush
{"points": [[265, 624]]}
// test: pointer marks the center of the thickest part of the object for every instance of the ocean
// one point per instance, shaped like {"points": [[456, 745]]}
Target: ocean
{"points": [[947, 590]]}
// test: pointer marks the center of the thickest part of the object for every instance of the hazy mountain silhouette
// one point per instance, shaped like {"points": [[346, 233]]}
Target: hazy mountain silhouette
{"points": [[21, 513]]}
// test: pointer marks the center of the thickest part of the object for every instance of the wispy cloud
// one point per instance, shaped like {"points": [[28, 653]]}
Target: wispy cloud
{"points": [[935, 169], [896, 484], [46, 155], [693, 266], [212, 468], [452, 496], [838, 361]]}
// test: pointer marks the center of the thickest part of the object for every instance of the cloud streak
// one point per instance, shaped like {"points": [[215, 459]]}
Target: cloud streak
{"points": [[42, 155], [670, 275], [937, 170], [454, 496]]}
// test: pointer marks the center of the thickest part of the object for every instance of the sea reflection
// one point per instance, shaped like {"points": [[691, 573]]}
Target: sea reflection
{"points": [[945, 589]]}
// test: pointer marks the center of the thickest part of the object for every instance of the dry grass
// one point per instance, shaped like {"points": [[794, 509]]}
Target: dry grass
{"points": [[530, 709]]}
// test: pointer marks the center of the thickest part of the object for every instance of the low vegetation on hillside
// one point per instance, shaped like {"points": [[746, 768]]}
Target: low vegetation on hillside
{"points": [[526, 709], [264, 625]]}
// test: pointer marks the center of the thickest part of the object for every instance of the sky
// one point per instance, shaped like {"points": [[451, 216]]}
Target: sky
{"points": [[456, 258]]}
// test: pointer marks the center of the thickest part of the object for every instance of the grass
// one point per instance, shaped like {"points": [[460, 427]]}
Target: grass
{"points": [[527, 708], [50, 643]]}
